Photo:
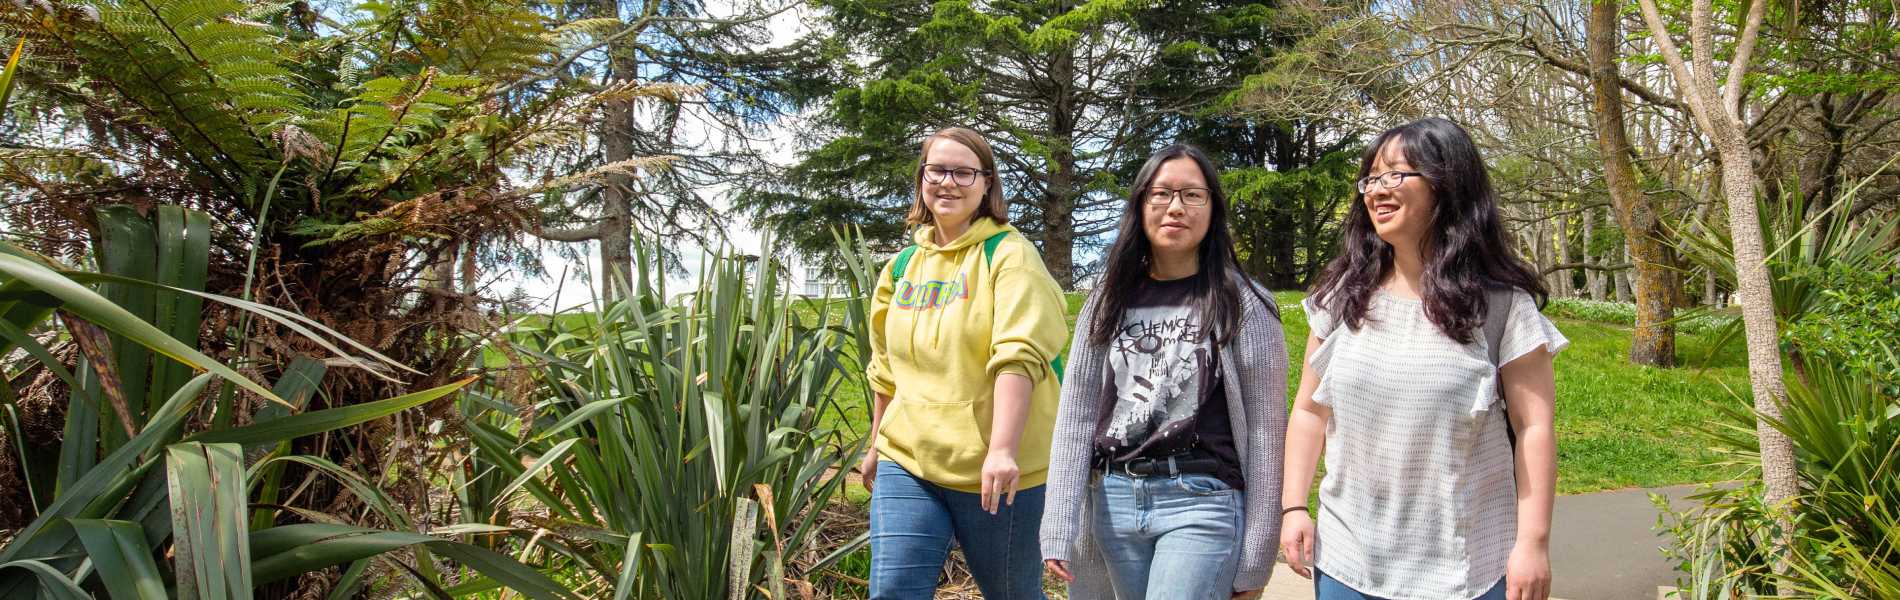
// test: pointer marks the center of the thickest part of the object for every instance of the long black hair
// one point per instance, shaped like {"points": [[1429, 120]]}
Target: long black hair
{"points": [[1466, 250], [1217, 295]]}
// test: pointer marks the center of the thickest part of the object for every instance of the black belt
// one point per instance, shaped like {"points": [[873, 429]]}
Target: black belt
{"points": [[1169, 466]]}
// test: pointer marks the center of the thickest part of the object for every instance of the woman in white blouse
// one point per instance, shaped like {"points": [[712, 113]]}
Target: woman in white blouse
{"points": [[1428, 381]]}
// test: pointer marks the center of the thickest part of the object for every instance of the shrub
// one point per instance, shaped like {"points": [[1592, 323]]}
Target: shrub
{"points": [[1853, 322]]}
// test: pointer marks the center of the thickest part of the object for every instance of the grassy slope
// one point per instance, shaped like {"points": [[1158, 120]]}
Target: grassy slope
{"points": [[1618, 425]]}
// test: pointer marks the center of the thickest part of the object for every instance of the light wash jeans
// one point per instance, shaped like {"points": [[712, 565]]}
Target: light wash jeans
{"points": [[1170, 538], [1327, 588], [913, 522]]}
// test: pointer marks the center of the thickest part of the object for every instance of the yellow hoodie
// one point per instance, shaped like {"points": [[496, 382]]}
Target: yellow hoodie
{"points": [[941, 336]]}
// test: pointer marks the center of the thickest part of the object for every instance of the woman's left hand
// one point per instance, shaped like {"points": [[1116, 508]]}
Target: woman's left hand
{"points": [[1000, 477], [1527, 574]]}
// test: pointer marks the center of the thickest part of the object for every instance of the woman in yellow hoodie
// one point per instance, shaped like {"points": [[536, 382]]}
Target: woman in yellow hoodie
{"points": [[966, 328]]}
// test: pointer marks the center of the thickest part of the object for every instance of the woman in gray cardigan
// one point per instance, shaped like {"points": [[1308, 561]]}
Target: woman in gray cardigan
{"points": [[1165, 468]]}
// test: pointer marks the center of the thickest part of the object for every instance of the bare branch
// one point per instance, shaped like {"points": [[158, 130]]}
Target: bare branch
{"points": [[1665, 45], [1584, 266], [1732, 93], [577, 234]]}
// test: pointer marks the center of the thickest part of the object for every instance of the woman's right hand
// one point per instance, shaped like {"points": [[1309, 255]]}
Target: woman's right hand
{"points": [[1296, 542], [1060, 568], [867, 468]]}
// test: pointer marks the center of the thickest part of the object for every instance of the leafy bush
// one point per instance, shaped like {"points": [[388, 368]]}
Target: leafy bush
{"points": [[135, 484], [1853, 322], [670, 447], [1846, 434]]}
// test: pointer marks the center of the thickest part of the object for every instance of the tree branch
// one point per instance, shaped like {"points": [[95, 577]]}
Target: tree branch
{"points": [[1633, 87], [1732, 93], [1585, 266], [574, 234], [1665, 45]]}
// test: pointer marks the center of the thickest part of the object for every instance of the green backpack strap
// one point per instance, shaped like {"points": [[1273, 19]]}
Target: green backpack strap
{"points": [[989, 246], [903, 258], [902, 261]]}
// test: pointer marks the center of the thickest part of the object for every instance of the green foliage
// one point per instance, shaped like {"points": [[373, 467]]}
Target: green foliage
{"points": [[634, 413], [6, 76], [131, 485], [1846, 434], [402, 103], [1286, 221], [1033, 76], [1720, 545], [1803, 242], [1852, 323], [1837, 303]]}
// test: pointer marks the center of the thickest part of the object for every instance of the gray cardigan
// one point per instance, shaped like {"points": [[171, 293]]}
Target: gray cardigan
{"points": [[1253, 364]]}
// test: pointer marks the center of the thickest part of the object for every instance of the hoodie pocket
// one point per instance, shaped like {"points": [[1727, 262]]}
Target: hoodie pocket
{"points": [[944, 437]]}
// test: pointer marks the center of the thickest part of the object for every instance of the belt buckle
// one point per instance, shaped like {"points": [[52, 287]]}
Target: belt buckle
{"points": [[1127, 471]]}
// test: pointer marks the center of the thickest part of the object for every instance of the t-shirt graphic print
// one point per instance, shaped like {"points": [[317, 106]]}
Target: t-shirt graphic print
{"points": [[1162, 371]]}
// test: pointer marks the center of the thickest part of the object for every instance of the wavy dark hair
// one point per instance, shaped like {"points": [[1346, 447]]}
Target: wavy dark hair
{"points": [[1214, 285], [1466, 252]]}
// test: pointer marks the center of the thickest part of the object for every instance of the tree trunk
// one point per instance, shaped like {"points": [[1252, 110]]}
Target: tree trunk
{"points": [[1718, 114], [617, 144], [1654, 340], [1758, 319], [1623, 291], [1541, 247], [1592, 278], [1711, 292], [1058, 202], [1567, 278]]}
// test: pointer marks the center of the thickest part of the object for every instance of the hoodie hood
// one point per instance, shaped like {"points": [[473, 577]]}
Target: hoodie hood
{"points": [[981, 228]]}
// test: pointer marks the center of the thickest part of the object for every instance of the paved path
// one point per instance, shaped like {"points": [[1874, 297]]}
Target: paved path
{"points": [[1602, 548], [1603, 545]]}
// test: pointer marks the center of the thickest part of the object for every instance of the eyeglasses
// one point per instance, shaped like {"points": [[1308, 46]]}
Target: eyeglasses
{"points": [[963, 176], [1387, 180], [1160, 196]]}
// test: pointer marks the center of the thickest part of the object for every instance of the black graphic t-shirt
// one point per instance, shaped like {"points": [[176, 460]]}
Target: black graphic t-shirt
{"points": [[1164, 379]]}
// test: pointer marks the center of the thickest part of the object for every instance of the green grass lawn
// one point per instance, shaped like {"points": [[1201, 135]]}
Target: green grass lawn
{"points": [[1618, 425]]}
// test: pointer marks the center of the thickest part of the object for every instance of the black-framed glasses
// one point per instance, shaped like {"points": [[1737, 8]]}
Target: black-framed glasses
{"points": [[1387, 180], [1194, 196], [964, 176]]}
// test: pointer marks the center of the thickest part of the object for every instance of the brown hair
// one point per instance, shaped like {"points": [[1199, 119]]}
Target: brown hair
{"points": [[993, 205]]}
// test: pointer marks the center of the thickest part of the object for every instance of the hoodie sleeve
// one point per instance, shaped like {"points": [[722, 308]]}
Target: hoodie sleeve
{"points": [[1027, 328], [879, 372]]}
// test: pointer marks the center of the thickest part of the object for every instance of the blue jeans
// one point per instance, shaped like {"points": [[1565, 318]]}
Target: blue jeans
{"points": [[1327, 588], [913, 522], [1168, 538]]}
